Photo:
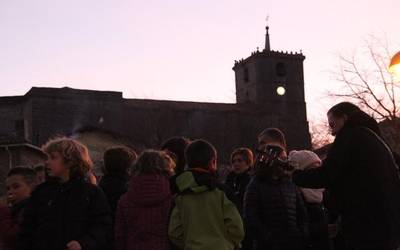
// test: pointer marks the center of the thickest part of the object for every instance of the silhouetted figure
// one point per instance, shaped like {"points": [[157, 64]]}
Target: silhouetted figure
{"points": [[203, 217], [237, 180], [274, 211], [66, 212], [117, 163], [143, 212], [362, 177]]}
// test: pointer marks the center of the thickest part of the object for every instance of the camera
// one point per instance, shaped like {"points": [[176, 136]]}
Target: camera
{"points": [[268, 162]]}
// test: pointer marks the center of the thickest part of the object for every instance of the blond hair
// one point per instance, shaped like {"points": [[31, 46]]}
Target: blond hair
{"points": [[74, 154], [154, 161]]}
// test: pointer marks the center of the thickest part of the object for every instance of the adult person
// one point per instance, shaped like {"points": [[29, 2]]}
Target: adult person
{"points": [[362, 176]]}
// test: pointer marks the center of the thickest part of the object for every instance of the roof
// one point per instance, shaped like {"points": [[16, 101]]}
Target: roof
{"points": [[8, 141]]}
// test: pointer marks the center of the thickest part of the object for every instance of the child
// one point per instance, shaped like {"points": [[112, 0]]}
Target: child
{"points": [[66, 212], [20, 182], [143, 212], [274, 211], [203, 217], [318, 226], [238, 179], [40, 173], [175, 147], [117, 163]]}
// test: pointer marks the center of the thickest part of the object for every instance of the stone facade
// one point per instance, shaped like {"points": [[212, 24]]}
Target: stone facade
{"points": [[16, 152]]}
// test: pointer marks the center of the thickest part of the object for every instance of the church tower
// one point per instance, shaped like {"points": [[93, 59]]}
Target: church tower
{"points": [[271, 83], [269, 76]]}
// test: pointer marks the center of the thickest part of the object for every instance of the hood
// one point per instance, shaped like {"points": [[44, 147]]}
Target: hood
{"points": [[195, 181], [362, 119], [148, 189]]}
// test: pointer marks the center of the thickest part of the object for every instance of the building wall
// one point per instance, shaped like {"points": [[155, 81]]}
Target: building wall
{"points": [[11, 111], [21, 156], [148, 123]]}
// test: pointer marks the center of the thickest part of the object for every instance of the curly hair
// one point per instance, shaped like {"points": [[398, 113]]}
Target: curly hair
{"points": [[74, 154], [154, 161]]}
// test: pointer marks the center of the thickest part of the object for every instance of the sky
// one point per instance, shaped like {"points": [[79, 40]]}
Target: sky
{"points": [[179, 49]]}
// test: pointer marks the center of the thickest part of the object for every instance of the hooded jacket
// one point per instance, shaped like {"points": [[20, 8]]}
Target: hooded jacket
{"points": [[203, 217], [142, 214]]}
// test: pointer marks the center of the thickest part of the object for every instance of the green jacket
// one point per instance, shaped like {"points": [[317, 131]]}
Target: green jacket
{"points": [[203, 217]]}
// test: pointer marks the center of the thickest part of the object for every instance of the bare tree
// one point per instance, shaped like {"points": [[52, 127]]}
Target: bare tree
{"points": [[367, 80], [320, 135]]}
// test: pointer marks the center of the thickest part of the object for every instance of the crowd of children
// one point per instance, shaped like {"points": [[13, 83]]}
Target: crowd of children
{"points": [[166, 199]]}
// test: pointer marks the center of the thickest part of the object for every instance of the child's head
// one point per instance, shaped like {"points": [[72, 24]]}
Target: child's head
{"points": [[241, 160], [304, 159], [201, 154], [153, 161], [119, 160], [20, 182], [40, 173], [272, 137], [175, 147], [67, 159]]}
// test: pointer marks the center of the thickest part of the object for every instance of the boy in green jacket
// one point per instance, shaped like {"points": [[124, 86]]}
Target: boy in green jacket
{"points": [[203, 217]]}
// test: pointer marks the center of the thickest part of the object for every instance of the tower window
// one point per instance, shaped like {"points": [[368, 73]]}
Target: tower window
{"points": [[246, 75], [280, 69]]}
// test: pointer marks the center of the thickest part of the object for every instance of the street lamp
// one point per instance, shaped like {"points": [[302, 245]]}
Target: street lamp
{"points": [[394, 66]]}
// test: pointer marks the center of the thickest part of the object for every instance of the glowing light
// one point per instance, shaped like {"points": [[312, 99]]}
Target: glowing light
{"points": [[394, 67], [281, 90]]}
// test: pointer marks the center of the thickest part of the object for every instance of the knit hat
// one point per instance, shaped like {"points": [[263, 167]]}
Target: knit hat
{"points": [[302, 159]]}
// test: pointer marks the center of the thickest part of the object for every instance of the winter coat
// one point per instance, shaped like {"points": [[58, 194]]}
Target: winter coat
{"points": [[62, 212], [361, 175], [143, 214], [114, 186], [10, 219], [317, 219], [238, 184], [318, 227], [275, 214], [203, 217]]}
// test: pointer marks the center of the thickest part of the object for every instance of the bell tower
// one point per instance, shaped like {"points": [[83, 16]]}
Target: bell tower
{"points": [[269, 76], [271, 84]]}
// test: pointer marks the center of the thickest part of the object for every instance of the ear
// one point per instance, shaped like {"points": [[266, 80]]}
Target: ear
{"points": [[213, 163]]}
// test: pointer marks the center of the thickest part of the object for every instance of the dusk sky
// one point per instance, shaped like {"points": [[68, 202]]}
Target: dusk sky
{"points": [[178, 49]]}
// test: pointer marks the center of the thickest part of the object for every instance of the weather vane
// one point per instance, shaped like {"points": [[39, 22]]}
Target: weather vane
{"points": [[267, 19]]}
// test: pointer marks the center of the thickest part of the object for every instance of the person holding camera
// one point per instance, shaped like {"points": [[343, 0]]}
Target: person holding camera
{"points": [[362, 177], [274, 211]]}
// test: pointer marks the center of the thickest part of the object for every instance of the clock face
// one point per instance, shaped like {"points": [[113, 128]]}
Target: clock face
{"points": [[281, 90]]}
